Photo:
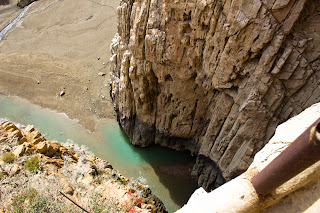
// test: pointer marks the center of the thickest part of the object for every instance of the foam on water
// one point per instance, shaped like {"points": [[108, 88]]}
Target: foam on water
{"points": [[20, 126], [3, 119]]}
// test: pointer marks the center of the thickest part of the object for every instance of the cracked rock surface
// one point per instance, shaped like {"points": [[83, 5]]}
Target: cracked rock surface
{"points": [[214, 77]]}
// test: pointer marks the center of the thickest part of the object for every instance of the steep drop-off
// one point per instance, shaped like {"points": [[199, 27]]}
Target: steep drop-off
{"points": [[214, 77]]}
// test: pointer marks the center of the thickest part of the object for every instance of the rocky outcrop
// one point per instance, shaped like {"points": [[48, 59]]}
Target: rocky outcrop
{"points": [[214, 77], [32, 141], [29, 162], [23, 3]]}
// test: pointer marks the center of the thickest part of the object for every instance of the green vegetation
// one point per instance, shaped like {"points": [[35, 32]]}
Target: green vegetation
{"points": [[32, 164], [30, 201], [2, 175], [8, 157], [39, 204], [18, 202], [95, 204]]}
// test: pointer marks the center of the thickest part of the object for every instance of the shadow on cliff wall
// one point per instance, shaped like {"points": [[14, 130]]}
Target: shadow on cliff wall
{"points": [[177, 179], [173, 169]]}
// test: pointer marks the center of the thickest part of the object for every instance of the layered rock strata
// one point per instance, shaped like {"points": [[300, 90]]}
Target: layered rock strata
{"points": [[214, 77]]}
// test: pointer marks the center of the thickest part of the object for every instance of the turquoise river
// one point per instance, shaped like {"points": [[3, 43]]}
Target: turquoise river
{"points": [[164, 170]]}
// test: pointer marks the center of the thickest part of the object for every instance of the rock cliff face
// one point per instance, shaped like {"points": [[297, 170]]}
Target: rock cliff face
{"points": [[214, 76]]}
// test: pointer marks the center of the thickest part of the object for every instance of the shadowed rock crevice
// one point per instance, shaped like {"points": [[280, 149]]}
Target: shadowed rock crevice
{"points": [[142, 134], [208, 173], [185, 184]]}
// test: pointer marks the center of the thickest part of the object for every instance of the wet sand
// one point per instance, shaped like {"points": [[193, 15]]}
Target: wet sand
{"points": [[55, 47]]}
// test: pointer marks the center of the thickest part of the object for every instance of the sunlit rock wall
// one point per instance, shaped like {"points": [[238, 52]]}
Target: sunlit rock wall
{"points": [[214, 77]]}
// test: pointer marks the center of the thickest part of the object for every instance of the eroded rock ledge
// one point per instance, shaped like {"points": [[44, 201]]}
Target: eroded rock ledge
{"points": [[214, 76]]}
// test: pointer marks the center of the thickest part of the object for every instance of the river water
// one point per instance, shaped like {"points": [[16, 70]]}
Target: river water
{"points": [[7, 28], [164, 170]]}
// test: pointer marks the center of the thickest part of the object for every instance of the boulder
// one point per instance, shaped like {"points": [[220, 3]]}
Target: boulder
{"points": [[23, 3], [10, 130], [57, 161], [87, 180], [32, 135], [25, 148], [91, 158], [19, 151], [15, 169], [3, 138], [51, 148]]}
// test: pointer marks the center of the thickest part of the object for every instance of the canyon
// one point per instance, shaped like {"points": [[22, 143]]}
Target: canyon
{"points": [[213, 77], [56, 48]]}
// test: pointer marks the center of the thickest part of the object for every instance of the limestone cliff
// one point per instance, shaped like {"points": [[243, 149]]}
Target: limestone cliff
{"points": [[214, 76]]}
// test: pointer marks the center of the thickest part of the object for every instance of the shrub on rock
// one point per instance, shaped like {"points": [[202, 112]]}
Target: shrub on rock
{"points": [[8, 157], [32, 164]]}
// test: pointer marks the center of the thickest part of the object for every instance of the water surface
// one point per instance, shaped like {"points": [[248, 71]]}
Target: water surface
{"points": [[164, 170]]}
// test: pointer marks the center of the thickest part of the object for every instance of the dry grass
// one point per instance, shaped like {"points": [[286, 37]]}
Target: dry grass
{"points": [[35, 188]]}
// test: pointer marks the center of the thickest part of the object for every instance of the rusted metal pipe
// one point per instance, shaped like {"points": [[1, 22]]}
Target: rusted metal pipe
{"points": [[299, 155], [74, 202]]}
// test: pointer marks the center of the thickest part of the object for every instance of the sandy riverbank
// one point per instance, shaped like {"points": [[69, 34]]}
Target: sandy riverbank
{"points": [[55, 47]]}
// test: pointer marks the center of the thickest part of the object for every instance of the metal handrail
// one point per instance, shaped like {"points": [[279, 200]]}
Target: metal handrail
{"points": [[299, 155]]}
